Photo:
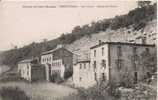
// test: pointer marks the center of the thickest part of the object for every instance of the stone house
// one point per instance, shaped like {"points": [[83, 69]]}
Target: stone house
{"points": [[83, 74], [113, 62], [58, 60], [31, 70]]}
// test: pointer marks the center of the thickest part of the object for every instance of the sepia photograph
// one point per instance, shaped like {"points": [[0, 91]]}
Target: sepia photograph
{"points": [[78, 50]]}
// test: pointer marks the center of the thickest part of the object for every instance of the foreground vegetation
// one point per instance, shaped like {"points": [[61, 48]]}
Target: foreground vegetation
{"points": [[13, 93]]}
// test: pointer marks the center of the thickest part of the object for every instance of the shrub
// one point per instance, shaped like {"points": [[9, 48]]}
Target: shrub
{"points": [[68, 74], [13, 93], [101, 91], [55, 77]]}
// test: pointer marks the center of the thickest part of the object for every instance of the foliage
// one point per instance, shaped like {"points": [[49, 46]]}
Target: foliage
{"points": [[149, 61], [67, 74], [101, 91], [126, 80], [136, 18], [143, 3], [55, 77], [10, 93]]}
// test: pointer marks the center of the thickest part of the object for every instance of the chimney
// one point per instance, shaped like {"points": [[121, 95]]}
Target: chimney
{"points": [[100, 41]]}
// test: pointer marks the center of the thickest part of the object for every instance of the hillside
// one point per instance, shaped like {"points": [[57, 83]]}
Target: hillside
{"points": [[81, 46], [129, 27]]}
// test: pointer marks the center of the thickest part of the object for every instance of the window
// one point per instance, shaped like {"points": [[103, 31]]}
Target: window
{"points": [[147, 50], [80, 66], [80, 79], [144, 40], [102, 51], [84, 65], [27, 72], [94, 53], [103, 76], [134, 50], [94, 65], [119, 63], [135, 77], [95, 76], [47, 59], [119, 51], [148, 74], [27, 66], [135, 57], [103, 63]]}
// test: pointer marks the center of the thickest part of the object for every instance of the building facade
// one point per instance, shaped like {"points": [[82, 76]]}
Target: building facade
{"points": [[83, 75], [31, 70], [115, 62], [58, 60]]}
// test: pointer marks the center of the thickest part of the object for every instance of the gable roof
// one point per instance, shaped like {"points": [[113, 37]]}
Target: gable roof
{"points": [[53, 50], [25, 61], [121, 43]]}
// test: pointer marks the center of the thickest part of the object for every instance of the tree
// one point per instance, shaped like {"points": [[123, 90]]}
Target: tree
{"points": [[149, 61], [143, 3]]}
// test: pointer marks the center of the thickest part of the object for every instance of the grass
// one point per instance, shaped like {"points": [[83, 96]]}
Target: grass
{"points": [[41, 91], [13, 93]]}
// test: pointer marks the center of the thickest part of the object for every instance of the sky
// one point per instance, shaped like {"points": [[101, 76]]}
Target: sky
{"points": [[20, 24]]}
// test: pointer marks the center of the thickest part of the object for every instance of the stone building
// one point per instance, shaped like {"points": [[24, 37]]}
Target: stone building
{"points": [[114, 62], [31, 70], [83, 75], [58, 60]]}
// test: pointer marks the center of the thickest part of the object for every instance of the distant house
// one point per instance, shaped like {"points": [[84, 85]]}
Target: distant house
{"points": [[31, 70], [58, 60], [113, 62], [83, 74]]}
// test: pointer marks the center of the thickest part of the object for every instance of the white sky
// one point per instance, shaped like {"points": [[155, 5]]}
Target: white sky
{"points": [[21, 26]]}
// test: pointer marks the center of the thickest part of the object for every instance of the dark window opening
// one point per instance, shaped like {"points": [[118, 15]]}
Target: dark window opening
{"points": [[84, 65], [80, 79], [103, 76], [80, 66], [135, 77], [148, 75], [103, 63], [102, 51], [119, 63], [94, 65], [119, 51], [94, 53], [95, 76], [134, 50]]}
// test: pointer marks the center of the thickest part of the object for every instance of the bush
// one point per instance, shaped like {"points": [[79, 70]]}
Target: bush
{"points": [[55, 77], [10, 93], [68, 74], [102, 91]]}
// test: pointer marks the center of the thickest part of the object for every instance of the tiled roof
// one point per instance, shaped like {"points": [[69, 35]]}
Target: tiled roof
{"points": [[83, 60], [121, 43], [51, 51], [26, 61]]}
